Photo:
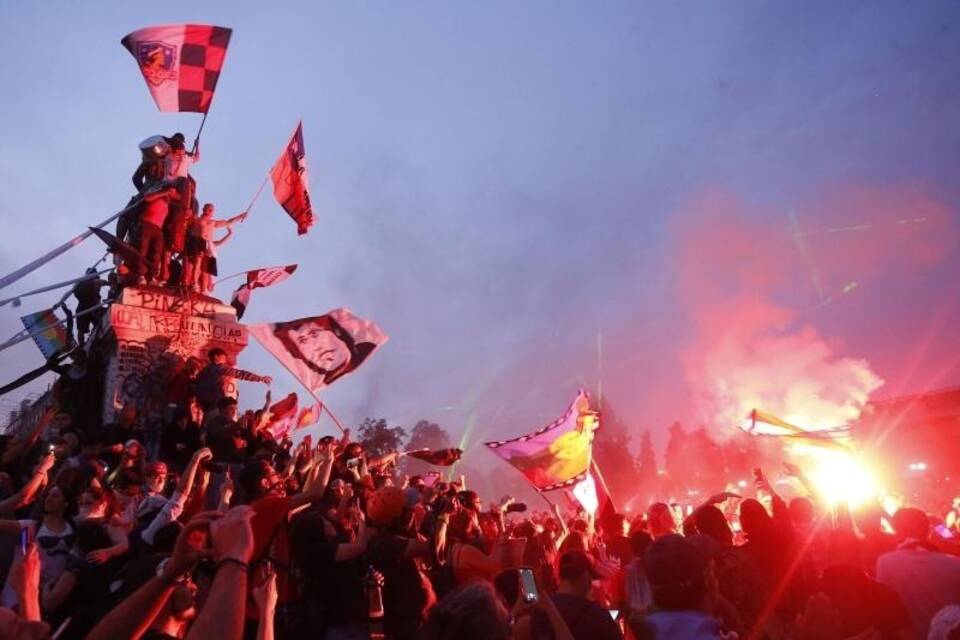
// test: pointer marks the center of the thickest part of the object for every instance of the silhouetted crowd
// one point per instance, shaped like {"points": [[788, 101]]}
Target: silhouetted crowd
{"points": [[204, 526]]}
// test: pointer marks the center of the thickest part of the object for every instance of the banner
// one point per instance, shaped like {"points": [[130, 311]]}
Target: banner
{"points": [[258, 279], [320, 350], [48, 332], [761, 423], [309, 416], [557, 455], [283, 415], [181, 63], [290, 182]]}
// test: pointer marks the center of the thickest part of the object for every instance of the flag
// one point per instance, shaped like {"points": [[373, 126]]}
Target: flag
{"points": [[557, 455], [438, 457], [258, 279], [290, 183], [309, 415], [761, 423], [282, 417], [430, 478], [48, 332], [181, 63], [320, 350]]}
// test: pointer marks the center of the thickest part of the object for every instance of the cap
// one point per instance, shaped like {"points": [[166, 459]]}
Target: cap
{"points": [[575, 563], [385, 505]]}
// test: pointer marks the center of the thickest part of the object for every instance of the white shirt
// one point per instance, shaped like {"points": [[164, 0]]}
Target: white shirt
{"points": [[926, 580]]}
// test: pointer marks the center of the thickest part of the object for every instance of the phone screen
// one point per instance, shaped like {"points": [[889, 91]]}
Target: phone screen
{"points": [[528, 585], [614, 613]]}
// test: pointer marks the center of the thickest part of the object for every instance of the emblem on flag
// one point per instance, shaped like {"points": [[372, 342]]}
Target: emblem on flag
{"points": [[290, 182], [48, 332], [180, 63], [320, 350]]}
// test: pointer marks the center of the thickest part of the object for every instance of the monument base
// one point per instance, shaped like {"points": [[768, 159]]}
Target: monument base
{"points": [[155, 338]]}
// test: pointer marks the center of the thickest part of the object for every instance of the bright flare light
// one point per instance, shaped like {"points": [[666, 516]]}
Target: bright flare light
{"points": [[839, 476]]}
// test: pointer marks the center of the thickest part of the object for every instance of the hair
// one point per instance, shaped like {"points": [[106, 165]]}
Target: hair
{"points": [[754, 518], [639, 542], [711, 522], [216, 351], [248, 480], [471, 612], [911, 523], [358, 352], [225, 402]]}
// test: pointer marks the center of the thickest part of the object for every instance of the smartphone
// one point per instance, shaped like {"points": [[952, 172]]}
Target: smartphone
{"points": [[942, 531], [528, 585], [24, 539], [353, 463]]}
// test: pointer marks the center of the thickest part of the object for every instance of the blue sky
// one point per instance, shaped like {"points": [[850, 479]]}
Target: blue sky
{"points": [[505, 187]]}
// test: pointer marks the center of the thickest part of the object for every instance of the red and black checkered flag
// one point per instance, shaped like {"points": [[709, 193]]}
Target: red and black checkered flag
{"points": [[181, 63]]}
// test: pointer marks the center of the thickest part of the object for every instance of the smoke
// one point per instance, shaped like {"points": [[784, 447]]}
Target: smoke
{"points": [[753, 280]]}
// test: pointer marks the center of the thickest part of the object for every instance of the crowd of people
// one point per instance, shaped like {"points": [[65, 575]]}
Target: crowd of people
{"points": [[219, 531]]}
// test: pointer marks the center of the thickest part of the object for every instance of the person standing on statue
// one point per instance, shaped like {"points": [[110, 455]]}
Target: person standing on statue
{"points": [[201, 246], [87, 294], [175, 227], [216, 379], [151, 244], [178, 162]]}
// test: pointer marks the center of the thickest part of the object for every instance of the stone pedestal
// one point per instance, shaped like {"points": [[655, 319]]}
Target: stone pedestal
{"points": [[152, 334]]}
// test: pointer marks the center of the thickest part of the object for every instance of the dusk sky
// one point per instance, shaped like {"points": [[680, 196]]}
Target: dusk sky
{"points": [[677, 200]]}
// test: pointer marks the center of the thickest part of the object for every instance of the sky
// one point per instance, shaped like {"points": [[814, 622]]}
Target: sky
{"points": [[663, 202]]}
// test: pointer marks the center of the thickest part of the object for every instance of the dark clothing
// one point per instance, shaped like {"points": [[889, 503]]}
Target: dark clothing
{"points": [[90, 598], [332, 592], [864, 603], [227, 440], [587, 620], [178, 445], [407, 593], [215, 381], [115, 434]]}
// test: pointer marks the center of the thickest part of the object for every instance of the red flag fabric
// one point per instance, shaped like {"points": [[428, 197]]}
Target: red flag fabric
{"points": [[258, 279], [439, 457], [320, 350], [558, 455], [309, 416], [180, 62], [283, 414], [290, 182]]}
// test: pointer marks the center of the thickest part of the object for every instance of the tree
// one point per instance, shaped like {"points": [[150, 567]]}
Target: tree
{"points": [[428, 435], [611, 450], [647, 460], [424, 435], [377, 438]]}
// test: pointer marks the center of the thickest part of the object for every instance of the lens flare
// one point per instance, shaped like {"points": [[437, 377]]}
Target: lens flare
{"points": [[839, 476]]}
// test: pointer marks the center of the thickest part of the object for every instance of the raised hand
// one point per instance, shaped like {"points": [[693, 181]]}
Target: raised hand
{"points": [[232, 535]]}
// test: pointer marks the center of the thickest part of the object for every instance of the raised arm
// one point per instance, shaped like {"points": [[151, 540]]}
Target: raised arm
{"points": [[134, 615], [22, 444], [317, 479], [223, 613], [29, 491]]}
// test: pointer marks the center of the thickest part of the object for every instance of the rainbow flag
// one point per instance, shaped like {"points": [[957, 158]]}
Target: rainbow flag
{"points": [[48, 332]]}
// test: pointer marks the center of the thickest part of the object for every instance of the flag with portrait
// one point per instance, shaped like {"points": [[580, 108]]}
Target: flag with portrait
{"points": [[320, 350]]}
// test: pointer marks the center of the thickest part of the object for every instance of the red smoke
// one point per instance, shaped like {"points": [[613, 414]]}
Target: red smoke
{"points": [[752, 277]]}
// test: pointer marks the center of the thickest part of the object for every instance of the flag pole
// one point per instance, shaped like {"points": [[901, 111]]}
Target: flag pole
{"points": [[257, 194], [545, 498], [603, 483], [196, 140]]}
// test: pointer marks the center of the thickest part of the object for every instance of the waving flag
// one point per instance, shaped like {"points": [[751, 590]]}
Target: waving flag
{"points": [[282, 416], [290, 184], [309, 415], [258, 279], [320, 350], [557, 455], [48, 332], [438, 457], [181, 63], [760, 423]]}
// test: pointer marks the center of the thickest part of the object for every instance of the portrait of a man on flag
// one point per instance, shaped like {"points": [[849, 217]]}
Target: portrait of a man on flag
{"points": [[320, 350]]}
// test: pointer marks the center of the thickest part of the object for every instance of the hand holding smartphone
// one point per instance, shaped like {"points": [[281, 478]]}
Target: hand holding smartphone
{"points": [[528, 586]]}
